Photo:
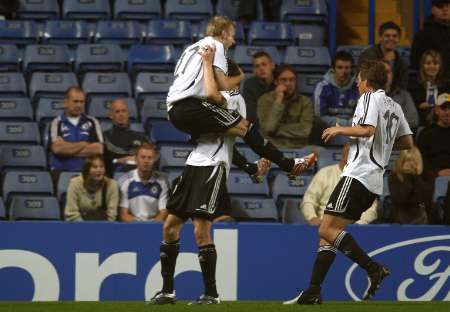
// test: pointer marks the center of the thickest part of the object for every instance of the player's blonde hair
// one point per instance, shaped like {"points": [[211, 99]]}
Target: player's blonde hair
{"points": [[413, 154], [217, 25]]}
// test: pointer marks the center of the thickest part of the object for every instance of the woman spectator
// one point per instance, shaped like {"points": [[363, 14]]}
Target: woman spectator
{"points": [[92, 196]]}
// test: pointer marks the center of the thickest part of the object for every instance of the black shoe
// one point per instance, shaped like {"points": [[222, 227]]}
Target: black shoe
{"points": [[375, 279], [305, 297], [205, 299], [163, 298]]}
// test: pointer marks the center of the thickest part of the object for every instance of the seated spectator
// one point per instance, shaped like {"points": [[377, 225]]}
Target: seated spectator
{"points": [[411, 195], [121, 141], [434, 141], [386, 49], [92, 196], [73, 136], [285, 116], [426, 87], [144, 192], [320, 189], [335, 97], [403, 98], [262, 82]]}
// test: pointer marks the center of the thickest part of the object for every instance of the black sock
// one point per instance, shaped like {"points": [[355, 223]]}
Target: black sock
{"points": [[207, 256], [168, 255], [324, 259], [241, 162], [265, 149], [345, 243]]}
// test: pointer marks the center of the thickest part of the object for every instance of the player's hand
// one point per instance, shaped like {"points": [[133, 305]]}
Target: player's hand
{"points": [[263, 167], [331, 133], [207, 53]]}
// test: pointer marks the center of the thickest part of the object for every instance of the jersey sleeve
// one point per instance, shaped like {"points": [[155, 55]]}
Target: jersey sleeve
{"points": [[403, 126], [370, 113]]}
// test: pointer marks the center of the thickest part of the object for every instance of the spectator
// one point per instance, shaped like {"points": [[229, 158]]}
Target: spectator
{"points": [[121, 141], [320, 189], [435, 35], [335, 97], [8, 9], [434, 141], [92, 196], [285, 116], [386, 49], [260, 83], [425, 89], [403, 98], [144, 192], [411, 195], [73, 135]]}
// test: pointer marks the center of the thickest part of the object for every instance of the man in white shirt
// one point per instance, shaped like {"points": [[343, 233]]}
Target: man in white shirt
{"points": [[378, 126]]}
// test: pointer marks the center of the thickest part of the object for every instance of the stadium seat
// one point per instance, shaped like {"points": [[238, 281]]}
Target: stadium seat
{"points": [[25, 157], [154, 85], [63, 184], [192, 10], [50, 85], [253, 209], [9, 58], [66, 32], [12, 85], [47, 109], [172, 174], [290, 212], [231, 9], [19, 132], [142, 10], [99, 108], [46, 58], [162, 131], [2, 210], [26, 183], [151, 58], [34, 208], [308, 59], [295, 153], [296, 11], [174, 155], [135, 126], [98, 57], [311, 35], [240, 183], [86, 9], [110, 85], [337, 141], [243, 55], [248, 153], [354, 50], [118, 32], [18, 32], [153, 108], [307, 82], [169, 32], [328, 157], [38, 9], [283, 187], [15, 109], [271, 34]]}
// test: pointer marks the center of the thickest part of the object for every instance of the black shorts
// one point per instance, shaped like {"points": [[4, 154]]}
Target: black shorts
{"points": [[350, 198], [196, 117], [200, 192]]}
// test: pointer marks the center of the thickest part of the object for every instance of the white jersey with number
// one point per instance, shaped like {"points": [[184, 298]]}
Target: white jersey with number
{"points": [[213, 149], [368, 157], [188, 73]]}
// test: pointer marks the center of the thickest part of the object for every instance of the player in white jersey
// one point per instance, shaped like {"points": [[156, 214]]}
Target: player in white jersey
{"points": [[191, 110], [378, 126]]}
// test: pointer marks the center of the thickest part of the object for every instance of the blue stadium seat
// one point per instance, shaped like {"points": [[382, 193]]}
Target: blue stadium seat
{"points": [[155, 85], [169, 32], [63, 184], [192, 10], [86, 9], [15, 109], [283, 187], [248, 153], [153, 108], [231, 9], [112, 85], [135, 126], [66, 32], [142, 10], [99, 108], [47, 109], [26, 183], [46, 58], [2, 210], [253, 209], [337, 141], [243, 55], [308, 59], [294, 153], [25, 157], [34, 208], [290, 212], [50, 85], [303, 11], [162, 131], [12, 85], [9, 58], [240, 183], [271, 34], [174, 155], [354, 50], [18, 32], [199, 31], [311, 35], [118, 32], [98, 57], [328, 157], [307, 82], [19, 132], [151, 58], [38, 9]]}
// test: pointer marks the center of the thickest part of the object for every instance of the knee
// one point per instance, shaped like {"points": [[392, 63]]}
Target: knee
{"points": [[202, 236]]}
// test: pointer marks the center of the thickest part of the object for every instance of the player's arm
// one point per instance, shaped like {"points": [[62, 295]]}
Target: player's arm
{"points": [[362, 131], [403, 142], [212, 92]]}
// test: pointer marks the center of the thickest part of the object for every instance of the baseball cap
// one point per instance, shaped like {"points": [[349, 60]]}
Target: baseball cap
{"points": [[439, 2], [443, 98]]}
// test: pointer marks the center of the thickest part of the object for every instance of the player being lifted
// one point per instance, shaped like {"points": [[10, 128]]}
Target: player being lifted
{"points": [[378, 127], [190, 111]]}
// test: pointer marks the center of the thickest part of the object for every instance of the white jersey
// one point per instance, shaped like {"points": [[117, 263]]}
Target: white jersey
{"points": [[368, 157], [188, 73], [213, 149]]}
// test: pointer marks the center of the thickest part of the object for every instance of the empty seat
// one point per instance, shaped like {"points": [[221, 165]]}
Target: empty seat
{"points": [[243, 55], [12, 85], [46, 58], [283, 187], [18, 32], [240, 183], [295, 153], [270, 33], [66, 32], [26, 183], [354, 50], [338, 140], [24, 156], [153, 108], [86, 9], [303, 11], [15, 109], [47, 109], [308, 59], [231, 9], [19, 132], [174, 156], [111, 85], [63, 184], [162, 131], [34, 208], [118, 32], [99, 108], [328, 157], [137, 9], [253, 209], [169, 32], [151, 58], [310, 35], [51, 85], [290, 212], [307, 82], [9, 58], [38, 9], [154, 85], [193, 10], [98, 57]]}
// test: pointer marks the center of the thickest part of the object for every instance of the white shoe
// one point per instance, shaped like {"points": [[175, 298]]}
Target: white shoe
{"points": [[302, 164]]}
